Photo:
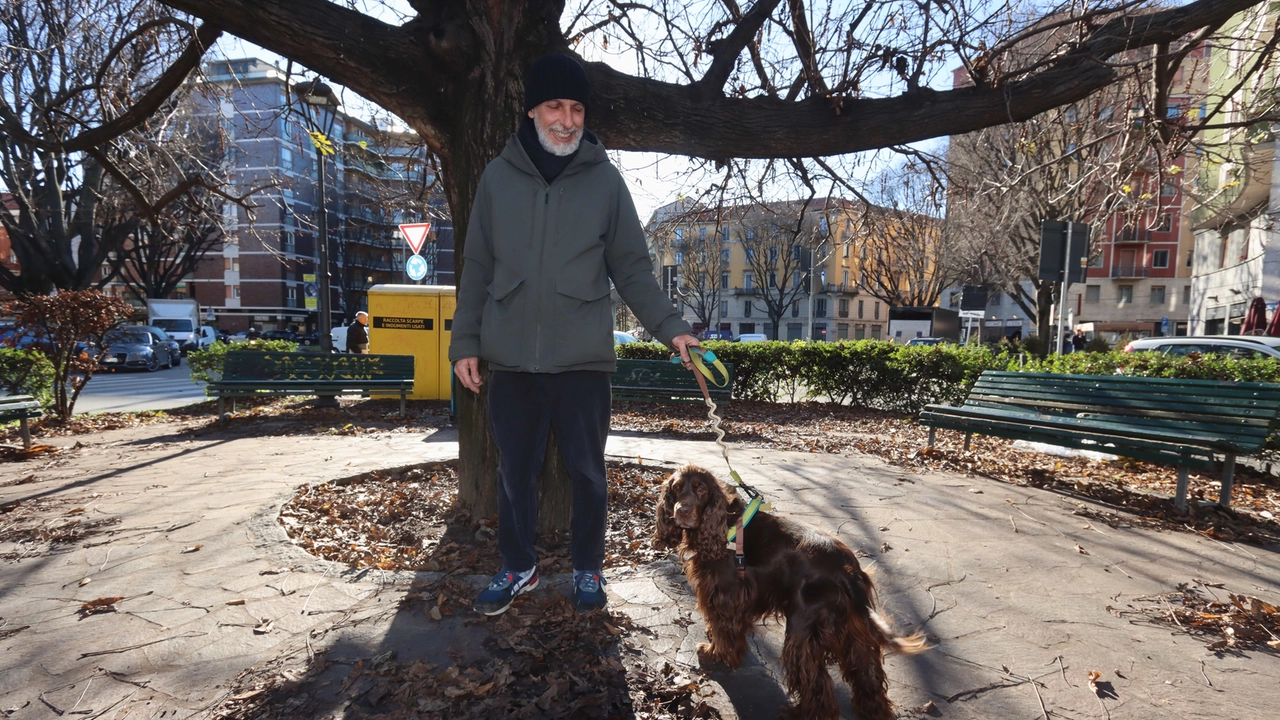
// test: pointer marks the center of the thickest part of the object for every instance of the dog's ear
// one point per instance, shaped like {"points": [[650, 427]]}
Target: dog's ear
{"points": [[713, 522], [667, 534]]}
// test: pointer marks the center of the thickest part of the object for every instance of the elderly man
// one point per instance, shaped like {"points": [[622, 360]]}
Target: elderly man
{"points": [[552, 225], [358, 334]]}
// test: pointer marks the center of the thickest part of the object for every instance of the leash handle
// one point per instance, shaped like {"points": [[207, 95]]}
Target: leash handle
{"points": [[700, 359]]}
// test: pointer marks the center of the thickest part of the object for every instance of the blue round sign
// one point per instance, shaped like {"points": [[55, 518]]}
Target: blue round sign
{"points": [[416, 267]]}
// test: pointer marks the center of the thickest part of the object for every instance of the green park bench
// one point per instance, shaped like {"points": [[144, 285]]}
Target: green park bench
{"points": [[663, 381], [255, 374], [1185, 423], [20, 408]]}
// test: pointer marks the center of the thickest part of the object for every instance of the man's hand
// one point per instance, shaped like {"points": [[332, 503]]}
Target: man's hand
{"points": [[681, 344], [468, 371]]}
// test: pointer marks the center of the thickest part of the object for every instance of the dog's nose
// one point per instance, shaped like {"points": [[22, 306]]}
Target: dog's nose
{"points": [[684, 513]]}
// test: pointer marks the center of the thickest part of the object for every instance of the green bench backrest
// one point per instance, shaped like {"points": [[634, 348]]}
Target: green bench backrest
{"points": [[18, 404], [244, 365], [656, 376], [1235, 409]]}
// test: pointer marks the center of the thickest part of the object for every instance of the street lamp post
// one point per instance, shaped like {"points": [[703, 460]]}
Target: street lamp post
{"points": [[324, 104]]}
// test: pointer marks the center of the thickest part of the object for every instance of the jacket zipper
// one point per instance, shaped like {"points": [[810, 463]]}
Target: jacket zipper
{"points": [[542, 256]]}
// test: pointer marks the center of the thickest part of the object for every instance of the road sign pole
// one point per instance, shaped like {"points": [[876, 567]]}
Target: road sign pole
{"points": [[1062, 295]]}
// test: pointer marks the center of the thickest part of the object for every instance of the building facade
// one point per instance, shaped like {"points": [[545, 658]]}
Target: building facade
{"points": [[718, 264], [265, 271]]}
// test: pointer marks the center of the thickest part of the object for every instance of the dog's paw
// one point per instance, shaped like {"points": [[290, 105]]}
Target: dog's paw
{"points": [[707, 654]]}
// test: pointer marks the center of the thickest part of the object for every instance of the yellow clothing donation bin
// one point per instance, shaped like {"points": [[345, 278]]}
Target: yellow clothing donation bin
{"points": [[408, 320]]}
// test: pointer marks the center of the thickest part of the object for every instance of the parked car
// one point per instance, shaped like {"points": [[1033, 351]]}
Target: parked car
{"points": [[751, 337], [289, 335], [925, 341], [1241, 347], [175, 347], [133, 346], [622, 338]]}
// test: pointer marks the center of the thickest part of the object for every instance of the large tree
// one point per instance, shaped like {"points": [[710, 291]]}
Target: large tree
{"points": [[75, 75], [765, 81]]}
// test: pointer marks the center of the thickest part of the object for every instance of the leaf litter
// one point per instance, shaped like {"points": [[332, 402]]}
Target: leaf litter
{"points": [[1238, 622], [1138, 493]]}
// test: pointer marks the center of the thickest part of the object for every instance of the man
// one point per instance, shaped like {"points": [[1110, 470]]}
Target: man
{"points": [[1078, 341], [551, 225], [358, 334]]}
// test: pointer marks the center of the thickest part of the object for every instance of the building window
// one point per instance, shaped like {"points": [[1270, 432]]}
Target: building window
{"points": [[1157, 294], [287, 242], [1126, 294], [702, 234], [724, 308], [842, 331], [749, 254], [997, 298], [724, 279], [748, 280], [859, 331], [679, 257], [744, 328], [1168, 190], [795, 279], [286, 158], [746, 309], [233, 291], [724, 256], [773, 278], [1166, 223], [820, 307], [844, 279], [861, 306], [844, 307], [876, 312], [1160, 259], [1190, 254], [876, 331], [845, 251], [954, 300], [1093, 294]]}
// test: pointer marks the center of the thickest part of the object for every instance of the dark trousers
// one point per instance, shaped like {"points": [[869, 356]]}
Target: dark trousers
{"points": [[522, 407]]}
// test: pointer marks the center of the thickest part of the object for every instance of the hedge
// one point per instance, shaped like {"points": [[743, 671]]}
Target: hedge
{"points": [[206, 364], [885, 376], [27, 372]]}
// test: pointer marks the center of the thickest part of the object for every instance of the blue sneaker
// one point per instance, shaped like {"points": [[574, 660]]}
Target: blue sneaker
{"points": [[588, 591], [503, 589]]}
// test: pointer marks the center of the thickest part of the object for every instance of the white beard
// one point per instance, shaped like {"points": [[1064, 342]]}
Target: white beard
{"points": [[551, 143]]}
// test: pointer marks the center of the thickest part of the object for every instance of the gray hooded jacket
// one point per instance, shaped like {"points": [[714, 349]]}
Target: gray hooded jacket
{"points": [[534, 295]]}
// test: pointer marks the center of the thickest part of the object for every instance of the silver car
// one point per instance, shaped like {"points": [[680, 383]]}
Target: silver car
{"points": [[1241, 347], [136, 347]]}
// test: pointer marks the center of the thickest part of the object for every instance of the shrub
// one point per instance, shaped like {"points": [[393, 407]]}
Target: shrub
{"points": [[206, 364], [27, 372], [59, 322]]}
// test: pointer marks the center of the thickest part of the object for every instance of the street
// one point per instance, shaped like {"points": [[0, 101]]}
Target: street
{"points": [[132, 390]]}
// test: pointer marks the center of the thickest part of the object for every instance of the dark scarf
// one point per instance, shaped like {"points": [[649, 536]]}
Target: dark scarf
{"points": [[549, 165]]}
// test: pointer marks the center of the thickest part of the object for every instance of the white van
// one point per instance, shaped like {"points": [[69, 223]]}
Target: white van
{"points": [[751, 337]]}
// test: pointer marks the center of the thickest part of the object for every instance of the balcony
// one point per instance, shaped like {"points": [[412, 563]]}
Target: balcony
{"points": [[1132, 235], [1130, 271]]}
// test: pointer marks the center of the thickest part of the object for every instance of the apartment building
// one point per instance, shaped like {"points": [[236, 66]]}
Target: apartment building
{"points": [[719, 264], [266, 267]]}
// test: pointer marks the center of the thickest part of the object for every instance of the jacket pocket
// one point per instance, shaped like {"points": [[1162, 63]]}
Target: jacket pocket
{"points": [[584, 332], [501, 326]]}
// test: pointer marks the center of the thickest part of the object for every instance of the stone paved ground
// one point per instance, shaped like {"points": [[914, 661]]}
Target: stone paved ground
{"points": [[994, 572]]}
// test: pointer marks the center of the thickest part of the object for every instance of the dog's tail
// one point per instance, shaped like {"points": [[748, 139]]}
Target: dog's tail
{"points": [[892, 641], [880, 627]]}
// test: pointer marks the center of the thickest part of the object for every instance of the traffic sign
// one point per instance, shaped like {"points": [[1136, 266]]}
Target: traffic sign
{"points": [[415, 234], [975, 314], [416, 267], [1164, 326]]}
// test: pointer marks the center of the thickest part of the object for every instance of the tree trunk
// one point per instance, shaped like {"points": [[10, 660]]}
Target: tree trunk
{"points": [[486, 110]]}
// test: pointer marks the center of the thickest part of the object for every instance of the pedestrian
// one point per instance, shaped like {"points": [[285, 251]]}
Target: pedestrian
{"points": [[1078, 341], [552, 223], [358, 334], [1067, 347]]}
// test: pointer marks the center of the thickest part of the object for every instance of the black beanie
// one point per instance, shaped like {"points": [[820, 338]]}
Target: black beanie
{"points": [[555, 76]]}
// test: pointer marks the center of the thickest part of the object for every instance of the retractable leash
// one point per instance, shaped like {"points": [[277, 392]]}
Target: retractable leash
{"points": [[756, 501]]}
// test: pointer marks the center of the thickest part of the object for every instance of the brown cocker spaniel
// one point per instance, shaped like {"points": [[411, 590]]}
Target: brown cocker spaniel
{"points": [[793, 570]]}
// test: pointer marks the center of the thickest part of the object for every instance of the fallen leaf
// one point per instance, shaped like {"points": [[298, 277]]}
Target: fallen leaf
{"points": [[249, 694], [434, 612], [85, 581], [237, 601], [1081, 550], [975, 491], [1094, 677], [191, 549], [100, 605], [263, 627], [925, 709]]}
